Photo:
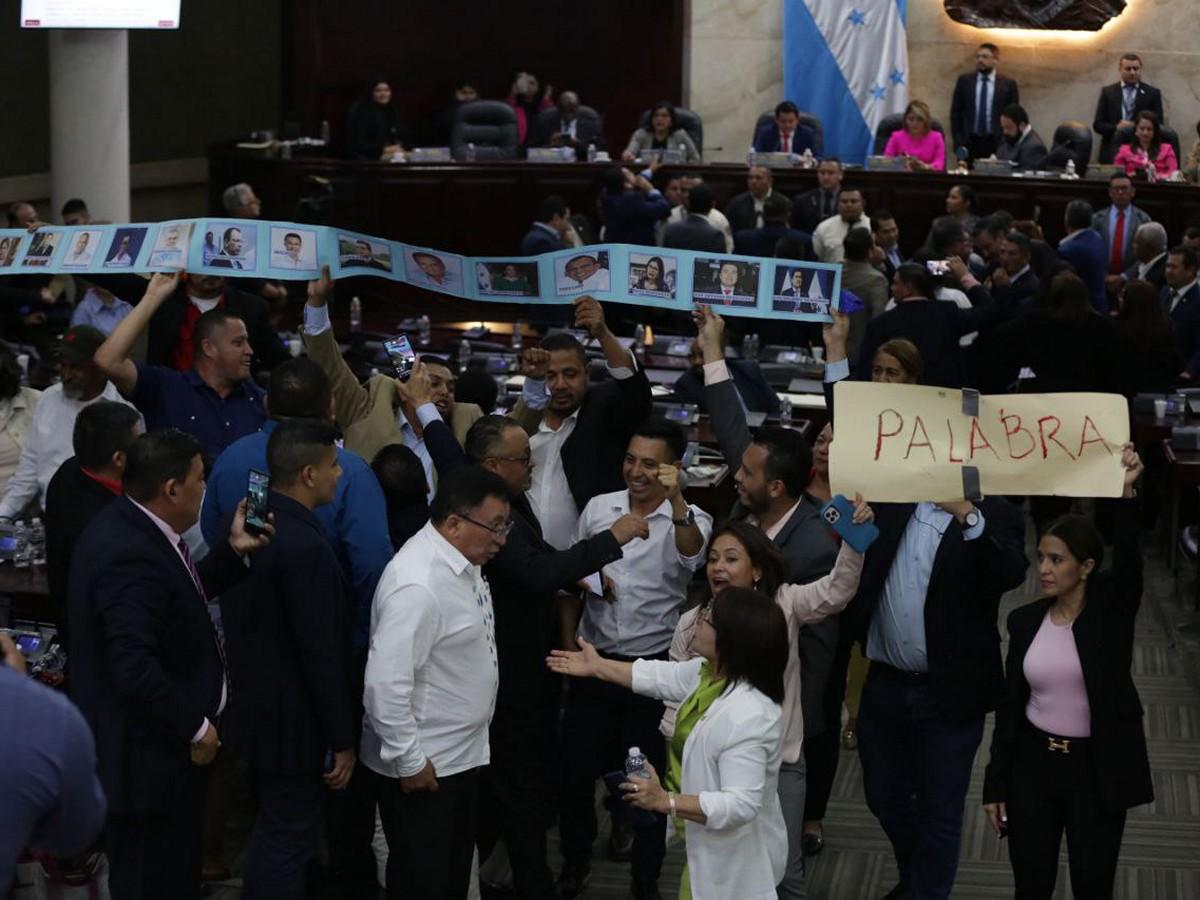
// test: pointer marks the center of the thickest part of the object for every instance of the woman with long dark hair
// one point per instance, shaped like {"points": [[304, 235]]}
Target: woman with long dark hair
{"points": [[664, 133], [373, 127], [1147, 151], [1147, 342], [1068, 752]]}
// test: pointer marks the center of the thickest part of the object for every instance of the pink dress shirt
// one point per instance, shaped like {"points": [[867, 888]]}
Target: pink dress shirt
{"points": [[930, 149], [1134, 160]]}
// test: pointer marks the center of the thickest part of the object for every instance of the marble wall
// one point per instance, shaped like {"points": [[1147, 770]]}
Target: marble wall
{"points": [[734, 59]]}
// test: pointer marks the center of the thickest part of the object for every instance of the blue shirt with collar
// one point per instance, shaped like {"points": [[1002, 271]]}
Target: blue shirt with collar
{"points": [[171, 399], [896, 635], [355, 523]]}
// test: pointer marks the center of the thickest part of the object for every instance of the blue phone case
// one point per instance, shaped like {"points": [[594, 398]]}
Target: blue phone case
{"points": [[838, 513]]}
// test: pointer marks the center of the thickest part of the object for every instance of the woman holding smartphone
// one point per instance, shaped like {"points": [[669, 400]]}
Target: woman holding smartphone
{"points": [[1068, 752]]}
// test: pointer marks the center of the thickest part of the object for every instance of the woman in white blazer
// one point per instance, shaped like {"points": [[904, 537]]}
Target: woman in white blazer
{"points": [[736, 838]]}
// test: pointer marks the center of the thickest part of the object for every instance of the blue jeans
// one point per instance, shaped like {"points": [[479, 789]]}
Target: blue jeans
{"points": [[916, 770]]}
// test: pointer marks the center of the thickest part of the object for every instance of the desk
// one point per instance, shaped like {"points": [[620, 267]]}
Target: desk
{"points": [[1183, 467], [29, 591]]}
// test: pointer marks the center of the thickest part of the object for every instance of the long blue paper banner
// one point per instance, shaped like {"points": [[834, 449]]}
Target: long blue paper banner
{"points": [[623, 273]]}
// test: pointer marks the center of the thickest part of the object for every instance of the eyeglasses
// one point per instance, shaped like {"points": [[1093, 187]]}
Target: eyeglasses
{"points": [[525, 460], [498, 530]]}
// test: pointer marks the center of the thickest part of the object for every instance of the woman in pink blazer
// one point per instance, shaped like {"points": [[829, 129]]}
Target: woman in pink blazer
{"points": [[1147, 144], [924, 148]]}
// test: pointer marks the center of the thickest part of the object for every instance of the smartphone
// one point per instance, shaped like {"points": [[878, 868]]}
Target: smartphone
{"points": [[938, 266], [258, 490], [839, 514], [400, 352]]}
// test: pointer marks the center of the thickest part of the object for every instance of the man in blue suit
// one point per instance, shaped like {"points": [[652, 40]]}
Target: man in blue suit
{"points": [[1181, 302], [547, 233], [786, 135], [1085, 250]]}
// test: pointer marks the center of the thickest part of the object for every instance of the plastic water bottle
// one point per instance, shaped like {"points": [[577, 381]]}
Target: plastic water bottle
{"points": [[639, 341], [591, 153], [518, 340], [806, 159], [324, 132], [785, 412], [635, 764], [470, 152], [424, 331], [355, 314], [464, 354], [752, 156], [683, 153], [37, 542], [21, 551], [1071, 173]]}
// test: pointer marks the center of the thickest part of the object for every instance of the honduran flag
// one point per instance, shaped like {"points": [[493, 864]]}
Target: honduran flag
{"points": [[846, 62]]}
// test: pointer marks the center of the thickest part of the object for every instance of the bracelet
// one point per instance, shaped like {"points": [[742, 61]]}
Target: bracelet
{"points": [[671, 800]]}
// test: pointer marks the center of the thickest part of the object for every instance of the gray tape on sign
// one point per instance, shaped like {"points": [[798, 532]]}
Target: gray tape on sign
{"points": [[970, 402], [970, 481]]}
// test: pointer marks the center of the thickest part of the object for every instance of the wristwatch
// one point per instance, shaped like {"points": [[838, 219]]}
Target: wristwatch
{"points": [[689, 519], [971, 519]]}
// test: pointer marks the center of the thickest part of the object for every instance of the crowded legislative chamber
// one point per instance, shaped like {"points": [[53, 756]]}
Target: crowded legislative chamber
{"points": [[419, 476]]}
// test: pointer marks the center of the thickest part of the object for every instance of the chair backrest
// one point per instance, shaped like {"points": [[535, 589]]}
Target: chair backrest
{"points": [[546, 116], [807, 119], [1168, 134], [895, 122], [491, 125], [1072, 140], [685, 119]]}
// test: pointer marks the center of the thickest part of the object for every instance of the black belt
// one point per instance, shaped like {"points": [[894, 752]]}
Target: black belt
{"points": [[916, 678], [1053, 743]]}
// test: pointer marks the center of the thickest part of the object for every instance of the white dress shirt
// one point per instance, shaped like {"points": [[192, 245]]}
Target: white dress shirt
{"points": [[431, 673], [1144, 267], [650, 579], [47, 446], [549, 493], [829, 236]]}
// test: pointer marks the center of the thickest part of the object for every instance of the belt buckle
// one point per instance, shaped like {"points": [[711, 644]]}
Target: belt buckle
{"points": [[1059, 746]]}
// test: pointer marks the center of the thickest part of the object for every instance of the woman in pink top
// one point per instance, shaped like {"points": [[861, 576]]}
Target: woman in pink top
{"points": [[917, 142], [1068, 752], [740, 555], [1147, 144]]}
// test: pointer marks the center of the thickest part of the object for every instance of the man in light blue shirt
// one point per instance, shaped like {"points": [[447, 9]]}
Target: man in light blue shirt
{"points": [[100, 309]]}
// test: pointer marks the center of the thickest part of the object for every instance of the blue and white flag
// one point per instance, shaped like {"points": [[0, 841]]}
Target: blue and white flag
{"points": [[846, 62]]}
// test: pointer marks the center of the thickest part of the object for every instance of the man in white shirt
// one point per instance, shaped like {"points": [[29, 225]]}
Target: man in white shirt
{"points": [[829, 238], [715, 217], [636, 618], [583, 273], [431, 680], [82, 250], [48, 444]]}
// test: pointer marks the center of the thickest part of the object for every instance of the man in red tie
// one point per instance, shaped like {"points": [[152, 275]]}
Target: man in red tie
{"points": [[786, 134], [1118, 223], [727, 276]]}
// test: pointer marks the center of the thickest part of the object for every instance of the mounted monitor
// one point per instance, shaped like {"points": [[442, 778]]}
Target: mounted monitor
{"points": [[155, 14]]}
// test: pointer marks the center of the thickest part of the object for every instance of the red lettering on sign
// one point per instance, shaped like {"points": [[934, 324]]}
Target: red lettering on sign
{"points": [[950, 431], [913, 442], [880, 434], [1084, 440], [1051, 436], [983, 444], [1009, 432]]}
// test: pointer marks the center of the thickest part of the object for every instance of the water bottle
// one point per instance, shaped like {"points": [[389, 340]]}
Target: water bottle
{"points": [[355, 314], [470, 152], [785, 412], [591, 153], [21, 551], [682, 153], [752, 157], [324, 131], [464, 354], [518, 339], [424, 331], [635, 764], [807, 158], [639, 341], [1071, 173], [37, 542]]}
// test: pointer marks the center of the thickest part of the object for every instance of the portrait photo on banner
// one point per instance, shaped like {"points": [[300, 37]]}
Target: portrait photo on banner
{"points": [[799, 289], [581, 273], [725, 282], [8, 249], [360, 252], [293, 248], [435, 271], [81, 248], [125, 247], [230, 245], [41, 248], [652, 275], [171, 245], [507, 279]]}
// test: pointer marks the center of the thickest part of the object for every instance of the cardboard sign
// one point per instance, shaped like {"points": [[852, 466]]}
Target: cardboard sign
{"points": [[906, 443]]}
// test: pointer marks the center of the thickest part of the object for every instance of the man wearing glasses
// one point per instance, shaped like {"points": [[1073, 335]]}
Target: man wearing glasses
{"points": [[431, 684]]}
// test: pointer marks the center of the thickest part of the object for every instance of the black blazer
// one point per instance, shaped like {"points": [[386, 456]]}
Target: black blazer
{"points": [[740, 212], [961, 605], [762, 241], [1014, 295], [539, 240], [808, 209], [587, 131], [1084, 356], [962, 105], [755, 392], [145, 666], [1104, 635], [1185, 319], [287, 641], [694, 233], [1156, 274], [269, 351], [1108, 113]]}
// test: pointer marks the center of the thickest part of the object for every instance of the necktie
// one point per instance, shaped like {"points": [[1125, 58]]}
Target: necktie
{"points": [[828, 204], [1176, 296], [1118, 245], [982, 117], [785, 142], [191, 567], [1127, 100]]}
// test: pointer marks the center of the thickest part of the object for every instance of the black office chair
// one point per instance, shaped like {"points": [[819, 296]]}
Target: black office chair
{"points": [[685, 119], [1166, 132], [895, 122], [545, 119], [807, 119], [488, 124], [1072, 140]]}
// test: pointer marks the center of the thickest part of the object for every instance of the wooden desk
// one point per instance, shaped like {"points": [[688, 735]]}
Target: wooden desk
{"points": [[29, 591], [1183, 467]]}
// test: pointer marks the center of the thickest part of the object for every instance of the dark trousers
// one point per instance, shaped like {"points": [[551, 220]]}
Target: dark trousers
{"points": [[430, 835], [1052, 792], [287, 829], [514, 792], [821, 752], [350, 817], [916, 770], [157, 857], [602, 722]]}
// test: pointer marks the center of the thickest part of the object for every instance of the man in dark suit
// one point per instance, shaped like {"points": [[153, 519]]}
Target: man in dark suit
{"points": [[745, 210], [1020, 144], [695, 232], [564, 127], [1014, 283], [761, 241], [1119, 222], [1150, 260], [630, 206], [786, 134], [814, 206], [1120, 103], [232, 245], [1181, 302], [524, 577], [547, 233], [887, 241], [979, 97], [170, 338], [84, 486], [748, 380], [288, 648], [1084, 249], [147, 666]]}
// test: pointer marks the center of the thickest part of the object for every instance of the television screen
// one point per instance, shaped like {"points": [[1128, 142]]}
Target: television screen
{"points": [[100, 14]]}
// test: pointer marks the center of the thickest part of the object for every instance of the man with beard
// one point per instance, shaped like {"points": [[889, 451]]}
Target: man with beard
{"points": [[48, 444], [1021, 145]]}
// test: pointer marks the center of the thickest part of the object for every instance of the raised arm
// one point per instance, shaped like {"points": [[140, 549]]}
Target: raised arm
{"points": [[631, 403], [352, 400], [831, 594], [1126, 571], [724, 406], [113, 356]]}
